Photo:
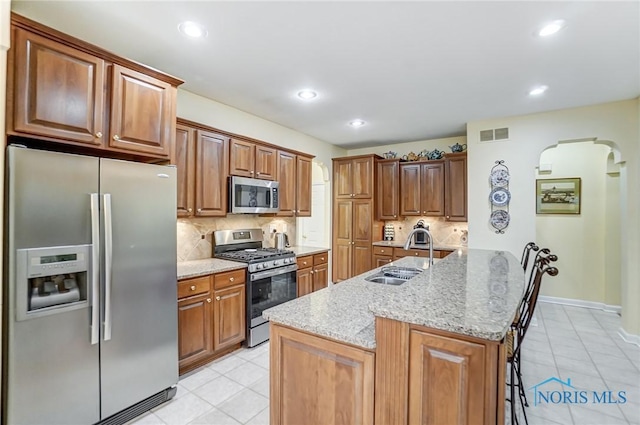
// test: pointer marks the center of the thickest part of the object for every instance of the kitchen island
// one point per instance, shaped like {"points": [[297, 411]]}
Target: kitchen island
{"points": [[428, 351]]}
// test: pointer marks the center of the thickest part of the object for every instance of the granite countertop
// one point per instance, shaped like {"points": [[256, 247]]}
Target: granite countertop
{"points": [[472, 292], [208, 266], [307, 250], [400, 244]]}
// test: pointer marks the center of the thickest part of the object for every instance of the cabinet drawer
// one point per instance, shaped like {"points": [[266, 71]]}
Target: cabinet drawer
{"points": [[382, 250], [189, 287], [223, 280], [304, 262], [399, 252], [321, 258]]}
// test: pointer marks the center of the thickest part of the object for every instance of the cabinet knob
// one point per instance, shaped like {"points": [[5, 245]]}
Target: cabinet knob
{"points": [[394, 216], [258, 173], [116, 137], [189, 209], [208, 300], [199, 210], [311, 271], [192, 287], [424, 212], [353, 243], [218, 298], [251, 172], [231, 279], [447, 217], [382, 250], [321, 258], [99, 134], [304, 263], [416, 254]]}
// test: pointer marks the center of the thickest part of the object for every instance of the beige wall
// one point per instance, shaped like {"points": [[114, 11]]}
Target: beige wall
{"points": [[415, 147], [578, 240], [615, 124]]}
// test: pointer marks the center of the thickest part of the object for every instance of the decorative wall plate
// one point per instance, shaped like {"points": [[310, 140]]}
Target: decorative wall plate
{"points": [[499, 177], [500, 196], [499, 219]]}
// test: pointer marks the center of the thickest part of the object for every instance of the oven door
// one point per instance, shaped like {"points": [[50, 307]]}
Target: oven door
{"points": [[253, 196], [268, 289]]}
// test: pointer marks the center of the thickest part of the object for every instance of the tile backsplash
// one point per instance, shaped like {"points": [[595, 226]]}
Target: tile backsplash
{"points": [[444, 232], [195, 236]]}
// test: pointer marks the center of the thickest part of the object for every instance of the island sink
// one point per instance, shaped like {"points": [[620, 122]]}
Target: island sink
{"points": [[387, 280], [394, 275]]}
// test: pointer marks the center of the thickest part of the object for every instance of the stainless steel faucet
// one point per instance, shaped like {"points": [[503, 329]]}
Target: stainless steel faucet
{"points": [[423, 230]]}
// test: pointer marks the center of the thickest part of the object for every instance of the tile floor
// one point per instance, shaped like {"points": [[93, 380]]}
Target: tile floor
{"points": [[564, 342]]}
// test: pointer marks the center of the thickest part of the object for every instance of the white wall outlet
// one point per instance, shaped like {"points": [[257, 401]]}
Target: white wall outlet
{"points": [[284, 227], [273, 228]]}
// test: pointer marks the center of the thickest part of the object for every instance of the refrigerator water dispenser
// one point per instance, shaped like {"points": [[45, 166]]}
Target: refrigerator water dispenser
{"points": [[51, 280]]}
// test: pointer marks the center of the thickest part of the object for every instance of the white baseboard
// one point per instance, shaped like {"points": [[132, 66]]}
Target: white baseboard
{"points": [[580, 303], [630, 338]]}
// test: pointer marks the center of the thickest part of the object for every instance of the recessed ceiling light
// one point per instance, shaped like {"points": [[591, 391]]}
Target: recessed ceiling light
{"points": [[536, 91], [357, 123], [551, 28], [192, 29], [307, 94]]}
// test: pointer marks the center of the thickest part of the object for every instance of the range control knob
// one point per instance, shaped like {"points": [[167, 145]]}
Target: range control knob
{"points": [[258, 266], [276, 263]]}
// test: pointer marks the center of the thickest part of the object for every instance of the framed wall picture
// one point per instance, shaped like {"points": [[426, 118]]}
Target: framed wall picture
{"points": [[558, 196]]}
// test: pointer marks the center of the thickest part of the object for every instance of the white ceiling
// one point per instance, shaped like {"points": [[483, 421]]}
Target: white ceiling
{"points": [[412, 70]]}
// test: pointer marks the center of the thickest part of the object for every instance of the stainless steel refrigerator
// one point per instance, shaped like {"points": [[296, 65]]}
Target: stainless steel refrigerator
{"points": [[90, 316]]}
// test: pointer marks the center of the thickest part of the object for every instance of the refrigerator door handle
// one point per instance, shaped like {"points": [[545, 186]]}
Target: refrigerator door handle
{"points": [[108, 261], [95, 270]]}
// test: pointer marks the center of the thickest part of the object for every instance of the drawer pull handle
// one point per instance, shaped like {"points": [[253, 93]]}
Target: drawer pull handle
{"points": [[99, 134], [382, 250], [416, 254], [192, 287], [218, 298], [321, 258], [230, 280], [304, 263], [208, 300]]}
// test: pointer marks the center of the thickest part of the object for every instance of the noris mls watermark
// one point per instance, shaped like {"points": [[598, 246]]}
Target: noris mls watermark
{"points": [[572, 395]]}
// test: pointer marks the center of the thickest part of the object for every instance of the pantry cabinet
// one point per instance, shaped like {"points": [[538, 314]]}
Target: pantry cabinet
{"points": [[66, 92], [211, 317]]}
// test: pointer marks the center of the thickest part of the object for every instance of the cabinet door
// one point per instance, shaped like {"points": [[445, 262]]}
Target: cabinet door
{"points": [[433, 189], [266, 162], [229, 317], [58, 91], [143, 113], [362, 176], [304, 280], [438, 362], [303, 186], [195, 337], [287, 180], [342, 179], [456, 188], [212, 157], [381, 260], [362, 222], [387, 190], [320, 276], [242, 158], [184, 151], [343, 240], [410, 190]]}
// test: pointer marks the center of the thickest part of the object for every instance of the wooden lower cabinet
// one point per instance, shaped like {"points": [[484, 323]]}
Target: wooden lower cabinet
{"points": [[313, 273], [211, 317], [318, 381]]}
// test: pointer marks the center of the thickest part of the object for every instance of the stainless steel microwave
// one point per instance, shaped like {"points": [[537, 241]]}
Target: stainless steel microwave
{"points": [[253, 196]]}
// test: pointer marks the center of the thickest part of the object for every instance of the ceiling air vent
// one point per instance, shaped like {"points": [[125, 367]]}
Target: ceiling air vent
{"points": [[494, 134]]}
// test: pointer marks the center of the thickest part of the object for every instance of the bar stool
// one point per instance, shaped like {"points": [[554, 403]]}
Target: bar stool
{"points": [[518, 329], [524, 260]]}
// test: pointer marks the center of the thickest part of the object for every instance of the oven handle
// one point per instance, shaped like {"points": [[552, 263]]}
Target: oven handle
{"points": [[273, 272]]}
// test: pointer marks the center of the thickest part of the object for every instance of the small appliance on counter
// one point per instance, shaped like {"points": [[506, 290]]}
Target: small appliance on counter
{"points": [[421, 237], [282, 241], [389, 232]]}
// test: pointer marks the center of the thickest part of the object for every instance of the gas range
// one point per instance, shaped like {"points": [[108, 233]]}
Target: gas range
{"points": [[260, 258], [271, 275]]}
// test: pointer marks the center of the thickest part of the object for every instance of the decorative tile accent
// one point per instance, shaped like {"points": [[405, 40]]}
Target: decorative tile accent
{"points": [[444, 232]]}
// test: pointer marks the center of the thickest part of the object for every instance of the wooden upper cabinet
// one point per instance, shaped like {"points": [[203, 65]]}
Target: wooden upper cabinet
{"points": [[353, 177], [303, 186], [287, 183], [266, 162], [142, 112], [433, 187], [183, 157], [422, 189], [248, 159], [66, 91], [58, 91], [388, 189], [456, 187], [342, 179], [211, 160], [362, 177]]}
